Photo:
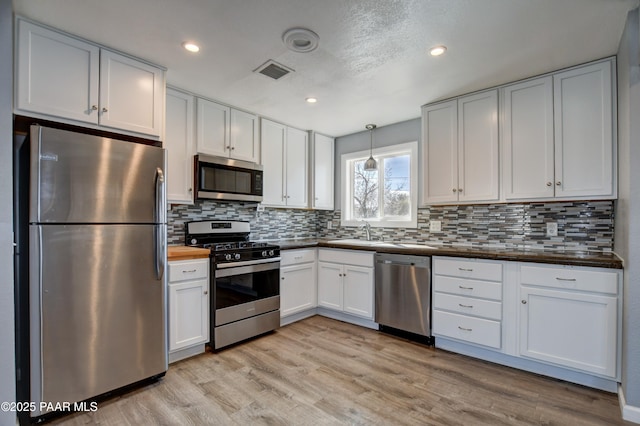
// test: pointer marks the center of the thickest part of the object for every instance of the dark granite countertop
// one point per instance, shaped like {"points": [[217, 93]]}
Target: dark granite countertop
{"points": [[574, 258]]}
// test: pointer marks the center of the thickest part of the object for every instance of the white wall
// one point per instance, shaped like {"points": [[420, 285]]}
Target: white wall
{"points": [[7, 363], [627, 230]]}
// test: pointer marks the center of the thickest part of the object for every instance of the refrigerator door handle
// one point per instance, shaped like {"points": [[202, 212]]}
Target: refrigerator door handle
{"points": [[160, 220]]}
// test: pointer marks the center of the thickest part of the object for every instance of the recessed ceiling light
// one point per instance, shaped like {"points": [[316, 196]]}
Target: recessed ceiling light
{"points": [[311, 100], [191, 47], [437, 50]]}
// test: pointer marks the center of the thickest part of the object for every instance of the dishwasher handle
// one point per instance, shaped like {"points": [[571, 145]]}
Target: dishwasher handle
{"points": [[395, 262]]}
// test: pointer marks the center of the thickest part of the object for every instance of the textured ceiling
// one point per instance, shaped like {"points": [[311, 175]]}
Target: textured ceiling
{"points": [[371, 65]]}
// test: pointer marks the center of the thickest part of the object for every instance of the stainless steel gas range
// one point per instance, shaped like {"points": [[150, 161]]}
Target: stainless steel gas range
{"points": [[244, 283]]}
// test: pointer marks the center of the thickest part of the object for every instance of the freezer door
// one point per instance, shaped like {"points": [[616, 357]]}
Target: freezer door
{"points": [[97, 310], [79, 178]]}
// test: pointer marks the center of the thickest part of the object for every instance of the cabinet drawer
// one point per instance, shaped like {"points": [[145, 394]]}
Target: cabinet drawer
{"points": [[347, 257], [474, 330], [293, 257], [468, 306], [468, 269], [188, 270], [570, 278], [473, 288]]}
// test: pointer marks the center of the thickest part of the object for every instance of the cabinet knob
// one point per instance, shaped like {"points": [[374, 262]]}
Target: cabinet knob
{"points": [[233, 148], [190, 189], [206, 292], [228, 146], [455, 190], [549, 184], [558, 183], [104, 109], [282, 278], [459, 189], [94, 107], [524, 302]]}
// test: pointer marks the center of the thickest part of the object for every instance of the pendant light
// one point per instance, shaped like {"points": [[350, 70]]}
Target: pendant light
{"points": [[371, 163]]}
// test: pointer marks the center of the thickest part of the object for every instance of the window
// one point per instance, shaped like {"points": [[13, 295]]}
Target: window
{"points": [[383, 197]]}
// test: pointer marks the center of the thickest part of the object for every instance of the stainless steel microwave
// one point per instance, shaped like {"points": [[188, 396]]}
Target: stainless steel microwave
{"points": [[220, 178]]}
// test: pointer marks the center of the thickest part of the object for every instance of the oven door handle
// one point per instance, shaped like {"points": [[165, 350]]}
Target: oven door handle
{"points": [[239, 268]]}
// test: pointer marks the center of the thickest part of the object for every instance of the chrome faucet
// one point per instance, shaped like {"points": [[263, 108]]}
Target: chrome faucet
{"points": [[367, 228]]}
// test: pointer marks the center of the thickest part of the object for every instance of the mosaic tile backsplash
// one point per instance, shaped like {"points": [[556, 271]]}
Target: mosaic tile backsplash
{"points": [[582, 226]]}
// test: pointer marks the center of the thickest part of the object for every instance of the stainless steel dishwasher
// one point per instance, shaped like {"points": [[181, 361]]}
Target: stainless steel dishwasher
{"points": [[403, 293]]}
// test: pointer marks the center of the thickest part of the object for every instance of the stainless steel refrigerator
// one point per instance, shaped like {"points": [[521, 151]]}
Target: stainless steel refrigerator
{"points": [[96, 258]]}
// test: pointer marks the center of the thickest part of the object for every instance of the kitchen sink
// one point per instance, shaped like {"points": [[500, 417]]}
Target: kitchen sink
{"points": [[365, 243]]}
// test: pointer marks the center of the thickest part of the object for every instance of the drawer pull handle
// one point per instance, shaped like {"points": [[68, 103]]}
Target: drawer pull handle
{"points": [[465, 269], [298, 257], [465, 306], [524, 302], [189, 271], [565, 279], [465, 288], [465, 329]]}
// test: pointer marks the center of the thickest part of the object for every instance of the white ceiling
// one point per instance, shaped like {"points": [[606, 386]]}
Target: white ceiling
{"points": [[371, 65]]}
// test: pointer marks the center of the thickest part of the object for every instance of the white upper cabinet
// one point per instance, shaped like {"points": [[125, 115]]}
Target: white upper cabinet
{"points": [[56, 74], [180, 146], [478, 169], [273, 138], [583, 108], [440, 152], [74, 80], [243, 136], [558, 136], [285, 161], [323, 172], [528, 139], [213, 128], [129, 94], [226, 132], [460, 149]]}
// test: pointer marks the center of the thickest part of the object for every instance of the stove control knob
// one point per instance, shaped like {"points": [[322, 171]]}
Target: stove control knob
{"points": [[227, 256], [271, 252], [194, 241], [237, 256], [264, 253]]}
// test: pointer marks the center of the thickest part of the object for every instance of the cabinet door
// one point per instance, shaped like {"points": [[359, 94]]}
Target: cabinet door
{"points": [[576, 330], [212, 135], [244, 140], [323, 165], [358, 291], [297, 160], [440, 152], [131, 94], [180, 147], [478, 147], [188, 314], [528, 139], [298, 290], [56, 74], [583, 131], [273, 139], [330, 285]]}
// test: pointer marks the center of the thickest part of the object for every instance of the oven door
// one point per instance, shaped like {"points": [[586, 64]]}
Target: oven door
{"points": [[244, 291]]}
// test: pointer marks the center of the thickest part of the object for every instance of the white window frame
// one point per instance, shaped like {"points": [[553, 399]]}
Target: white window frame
{"points": [[346, 162]]}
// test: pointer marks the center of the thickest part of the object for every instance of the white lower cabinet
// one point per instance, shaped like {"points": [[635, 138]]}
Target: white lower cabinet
{"points": [[188, 308], [569, 317], [557, 320], [346, 281], [467, 300], [298, 289]]}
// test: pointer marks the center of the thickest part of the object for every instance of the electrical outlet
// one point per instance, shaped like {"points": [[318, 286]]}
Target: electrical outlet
{"points": [[435, 226], [329, 225], [552, 229]]}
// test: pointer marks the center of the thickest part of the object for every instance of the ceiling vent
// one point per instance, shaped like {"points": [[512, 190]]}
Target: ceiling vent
{"points": [[273, 70]]}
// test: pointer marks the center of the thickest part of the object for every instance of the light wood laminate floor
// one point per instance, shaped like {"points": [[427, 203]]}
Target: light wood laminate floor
{"points": [[325, 372]]}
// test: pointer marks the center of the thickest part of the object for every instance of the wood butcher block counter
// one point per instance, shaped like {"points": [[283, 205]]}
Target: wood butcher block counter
{"points": [[186, 253], [575, 258]]}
